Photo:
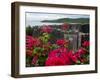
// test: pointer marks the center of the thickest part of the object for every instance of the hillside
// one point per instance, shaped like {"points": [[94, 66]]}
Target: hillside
{"points": [[69, 20]]}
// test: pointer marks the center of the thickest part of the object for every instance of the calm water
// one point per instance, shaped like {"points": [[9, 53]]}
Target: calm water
{"points": [[37, 23]]}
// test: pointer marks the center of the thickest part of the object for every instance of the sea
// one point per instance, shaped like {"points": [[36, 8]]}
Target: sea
{"points": [[37, 23]]}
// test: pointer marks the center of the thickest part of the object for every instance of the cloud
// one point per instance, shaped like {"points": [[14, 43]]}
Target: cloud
{"points": [[48, 16]]}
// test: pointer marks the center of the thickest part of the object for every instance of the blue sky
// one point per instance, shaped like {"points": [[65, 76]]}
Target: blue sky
{"points": [[49, 16]]}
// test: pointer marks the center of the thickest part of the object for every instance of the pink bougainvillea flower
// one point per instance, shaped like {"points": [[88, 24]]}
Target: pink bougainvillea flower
{"points": [[67, 58], [62, 42], [86, 43], [46, 29], [53, 53], [30, 41], [64, 55], [64, 26], [81, 51], [34, 60], [58, 52], [72, 56], [80, 55], [63, 50], [36, 42], [54, 61]]}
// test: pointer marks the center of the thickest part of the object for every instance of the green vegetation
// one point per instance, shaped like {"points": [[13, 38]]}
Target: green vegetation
{"points": [[69, 20]]}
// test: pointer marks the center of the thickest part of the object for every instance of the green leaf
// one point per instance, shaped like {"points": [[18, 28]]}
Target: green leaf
{"points": [[40, 49], [78, 62], [54, 46], [42, 60]]}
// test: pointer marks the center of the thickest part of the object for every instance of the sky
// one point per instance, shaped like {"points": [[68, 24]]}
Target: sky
{"points": [[49, 16]]}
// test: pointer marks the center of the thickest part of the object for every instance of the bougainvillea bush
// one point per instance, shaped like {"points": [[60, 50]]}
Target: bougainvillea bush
{"points": [[45, 50]]}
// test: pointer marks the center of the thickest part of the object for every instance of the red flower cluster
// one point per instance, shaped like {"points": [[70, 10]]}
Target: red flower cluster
{"points": [[34, 60], [62, 56], [80, 55], [86, 43], [62, 42], [64, 26], [54, 61], [42, 51], [82, 51], [46, 29], [30, 43]]}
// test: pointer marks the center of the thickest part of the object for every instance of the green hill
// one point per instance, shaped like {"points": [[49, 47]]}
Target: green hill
{"points": [[69, 20]]}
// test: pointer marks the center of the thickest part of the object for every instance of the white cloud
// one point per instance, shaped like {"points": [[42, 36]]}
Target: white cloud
{"points": [[48, 16]]}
